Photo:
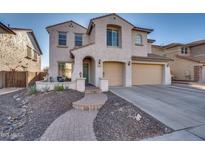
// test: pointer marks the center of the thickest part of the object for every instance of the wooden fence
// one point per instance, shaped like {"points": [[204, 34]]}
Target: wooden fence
{"points": [[20, 78]]}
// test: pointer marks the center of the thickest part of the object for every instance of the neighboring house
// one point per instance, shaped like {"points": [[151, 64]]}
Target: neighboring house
{"points": [[189, 59], [110, 48], [19, 50]]}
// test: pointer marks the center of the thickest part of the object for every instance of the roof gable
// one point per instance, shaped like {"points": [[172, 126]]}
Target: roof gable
{"points": [[106, 16], [90, 26], [7, 29], [66, 22]]}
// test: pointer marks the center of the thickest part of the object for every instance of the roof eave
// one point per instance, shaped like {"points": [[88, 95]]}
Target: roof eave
{"points": [[147, 30], [150, 40], [41, 53], [8, 29], [139, 58]]}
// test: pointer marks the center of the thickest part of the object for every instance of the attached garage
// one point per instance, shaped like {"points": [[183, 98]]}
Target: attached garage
{"points": [[113, 72], [149, 74]]}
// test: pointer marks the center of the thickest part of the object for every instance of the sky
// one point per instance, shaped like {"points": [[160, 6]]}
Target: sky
{"points": [[168, 28]]}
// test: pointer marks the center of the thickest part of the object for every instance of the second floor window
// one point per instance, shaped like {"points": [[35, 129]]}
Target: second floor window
{"points": [[138, 40], [184, 50], [78, 39], [29, 52], [112, 37], [62, 38]]}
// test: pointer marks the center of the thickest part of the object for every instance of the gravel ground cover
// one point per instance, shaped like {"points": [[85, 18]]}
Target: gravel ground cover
{"points": [[121, 120], [26, 117]]}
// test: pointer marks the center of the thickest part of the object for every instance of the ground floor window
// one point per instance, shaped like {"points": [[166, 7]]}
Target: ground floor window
{"points": [[65, 70]]}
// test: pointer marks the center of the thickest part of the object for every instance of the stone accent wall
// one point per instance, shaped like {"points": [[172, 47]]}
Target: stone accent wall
{"points": [[13, 50]]}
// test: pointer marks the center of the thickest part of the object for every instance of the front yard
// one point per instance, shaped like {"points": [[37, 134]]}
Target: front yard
{"points": [[26, 117], [120, 120]]}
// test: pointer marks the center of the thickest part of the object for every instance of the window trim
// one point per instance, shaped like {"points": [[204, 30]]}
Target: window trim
{"points": [[29, 52], [64, 62], [141, 39], [79, 34], [184, 50], [66, 38], [112, 41], [35, 55]]}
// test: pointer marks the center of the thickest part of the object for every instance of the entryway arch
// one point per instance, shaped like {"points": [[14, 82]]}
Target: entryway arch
{"points": [[89, 70]]}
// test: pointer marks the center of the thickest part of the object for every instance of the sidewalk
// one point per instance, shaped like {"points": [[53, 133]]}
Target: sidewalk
{"points": [[8, 90]]}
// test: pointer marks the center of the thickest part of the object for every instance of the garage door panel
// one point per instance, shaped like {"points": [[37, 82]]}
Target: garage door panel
{"points": [[146, 74], [113, 71]]}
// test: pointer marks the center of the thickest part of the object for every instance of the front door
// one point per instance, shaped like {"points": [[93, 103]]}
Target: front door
{"points": [[86, 72]]}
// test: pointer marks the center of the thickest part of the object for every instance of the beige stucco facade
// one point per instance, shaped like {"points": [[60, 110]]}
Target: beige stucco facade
{"points": [[183, 65], [95, 47], [13, 51]]}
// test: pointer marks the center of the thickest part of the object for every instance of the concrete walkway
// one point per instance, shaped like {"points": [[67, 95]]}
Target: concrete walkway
{"points": [[8, 90], [76, 124]]}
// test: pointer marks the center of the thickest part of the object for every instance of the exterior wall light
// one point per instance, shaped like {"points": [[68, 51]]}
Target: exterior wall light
{"points": [[80, 74], [99, 61], [128, 63]]}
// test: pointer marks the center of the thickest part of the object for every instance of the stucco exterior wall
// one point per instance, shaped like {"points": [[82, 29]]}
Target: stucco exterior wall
{"points": [[157, 50], [91, 37], [181, 68], [59, 53], [140, 50], [198, 50], [13, 50], [99, 51]]}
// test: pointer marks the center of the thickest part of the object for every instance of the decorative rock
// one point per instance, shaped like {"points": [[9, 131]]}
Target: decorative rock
{"points": [[18, 99], [13, 136], [138, 117]]}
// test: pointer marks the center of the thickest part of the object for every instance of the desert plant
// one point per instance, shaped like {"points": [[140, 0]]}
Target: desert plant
{"points": [[59, 88], [32, 90]]}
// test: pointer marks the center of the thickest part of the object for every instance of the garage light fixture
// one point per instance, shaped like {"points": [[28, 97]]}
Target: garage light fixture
{"points": [[99, 61], [80, 74], [128, 63]]}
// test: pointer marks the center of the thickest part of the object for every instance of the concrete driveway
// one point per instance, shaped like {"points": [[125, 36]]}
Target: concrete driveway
{"points": [[180, 108]]}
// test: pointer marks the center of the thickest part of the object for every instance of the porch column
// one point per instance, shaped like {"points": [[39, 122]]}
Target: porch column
{"points": [[128, 74], [98, 72], [166, 75], [77, 68]]}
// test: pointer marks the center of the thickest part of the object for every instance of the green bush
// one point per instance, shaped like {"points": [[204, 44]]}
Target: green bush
{"points": [[59, 88], [32, 90]]}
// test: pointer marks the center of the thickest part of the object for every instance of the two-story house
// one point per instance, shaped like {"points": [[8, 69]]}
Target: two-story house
{"points": [[110, 48], [188, 59], [19, 50]]}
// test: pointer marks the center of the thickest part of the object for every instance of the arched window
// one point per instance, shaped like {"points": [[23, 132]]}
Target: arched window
{"points": [[138, 39]]}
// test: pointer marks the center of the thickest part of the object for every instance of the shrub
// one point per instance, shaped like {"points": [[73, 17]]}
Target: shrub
{"points": [[59, 88], [32, 90]]}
